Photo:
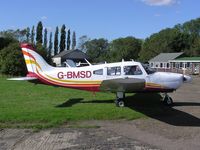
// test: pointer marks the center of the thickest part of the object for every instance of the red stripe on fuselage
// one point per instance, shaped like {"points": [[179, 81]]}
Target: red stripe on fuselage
{"points": [[28, 54], [88, 87]]}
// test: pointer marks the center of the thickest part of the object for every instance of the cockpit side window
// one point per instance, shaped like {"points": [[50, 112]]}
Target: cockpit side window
{"points": [[132, 70], [98, 72], [148, 69], [114, 71]]}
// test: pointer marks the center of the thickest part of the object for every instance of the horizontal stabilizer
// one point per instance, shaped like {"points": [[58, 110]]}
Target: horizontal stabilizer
{"points": [[23, 78]]}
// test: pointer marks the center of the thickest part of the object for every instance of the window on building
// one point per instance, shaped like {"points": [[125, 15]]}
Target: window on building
{"points": [[114, 71], [188, 65], [167, 65], [181, 64], [98, 72], [156, 65], [184, 65], [174, 64], [132, 70], [161, 65]]}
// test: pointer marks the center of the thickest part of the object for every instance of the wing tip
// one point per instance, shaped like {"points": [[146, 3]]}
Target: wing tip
{"points": [[22, 79]]}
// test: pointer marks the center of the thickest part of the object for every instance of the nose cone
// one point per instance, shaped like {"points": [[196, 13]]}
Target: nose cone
{"points": [[187, 79]]}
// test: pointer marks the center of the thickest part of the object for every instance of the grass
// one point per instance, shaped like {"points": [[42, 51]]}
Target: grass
{"points": [[27, 105]]}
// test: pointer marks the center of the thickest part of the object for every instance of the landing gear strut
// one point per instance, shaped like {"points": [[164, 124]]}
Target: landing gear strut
{"points": [[167, 100], [119, 99]]}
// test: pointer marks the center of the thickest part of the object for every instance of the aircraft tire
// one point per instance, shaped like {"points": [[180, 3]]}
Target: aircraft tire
{"points": [[168, 101], [119, 103]]}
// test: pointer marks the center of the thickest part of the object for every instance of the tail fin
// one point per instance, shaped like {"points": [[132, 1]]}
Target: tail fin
{"points": [[34, 61]]}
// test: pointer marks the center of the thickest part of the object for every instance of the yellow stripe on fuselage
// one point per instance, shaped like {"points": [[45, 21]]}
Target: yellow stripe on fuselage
{"points": [[33, 62], [76, 81], [154, 85]]}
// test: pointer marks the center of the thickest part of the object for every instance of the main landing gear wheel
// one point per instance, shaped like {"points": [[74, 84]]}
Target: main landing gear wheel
{"points": [[119, 102], [119, 99], [168, 100]]}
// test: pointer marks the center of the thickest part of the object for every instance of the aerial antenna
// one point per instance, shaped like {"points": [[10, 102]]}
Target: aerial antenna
{"points": [[88, 62], [67, 64]]}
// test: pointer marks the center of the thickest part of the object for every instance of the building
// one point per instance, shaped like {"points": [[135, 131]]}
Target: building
{"points": [[191, 65], [162, 61], [176, 62], [72, 55]]}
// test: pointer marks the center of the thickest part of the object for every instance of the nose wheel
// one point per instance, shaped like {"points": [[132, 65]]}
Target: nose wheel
{"points": [[167, 100]]}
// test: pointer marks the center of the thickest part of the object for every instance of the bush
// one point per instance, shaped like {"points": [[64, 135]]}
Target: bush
{"points": [[12, 61]]}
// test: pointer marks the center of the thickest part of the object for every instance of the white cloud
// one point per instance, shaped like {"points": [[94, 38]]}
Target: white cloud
{"points": [[43, 17], [157, 15], [159, 2]]}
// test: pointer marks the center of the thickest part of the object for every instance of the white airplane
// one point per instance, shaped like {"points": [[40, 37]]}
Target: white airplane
{"points": [[120, 78]]}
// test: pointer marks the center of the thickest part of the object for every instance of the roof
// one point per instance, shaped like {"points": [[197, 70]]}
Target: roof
{"points": [[71, 54], [165, 57], [188, 58]]}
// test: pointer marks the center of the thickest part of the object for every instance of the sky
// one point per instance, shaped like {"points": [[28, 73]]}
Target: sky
{"points": [[109, 19]]}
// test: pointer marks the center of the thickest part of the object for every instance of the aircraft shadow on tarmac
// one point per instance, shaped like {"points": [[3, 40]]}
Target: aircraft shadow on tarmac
{"points": [[150, 104]]}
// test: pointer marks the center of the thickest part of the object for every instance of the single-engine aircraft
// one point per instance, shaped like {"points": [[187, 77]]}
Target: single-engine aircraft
{"points": [[120, 77]]}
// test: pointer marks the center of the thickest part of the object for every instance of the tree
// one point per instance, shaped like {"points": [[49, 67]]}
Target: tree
{"points": [[82, 42], [33, 35], [4, 42], [27, 34], [97, 50], [166, 41], [68, 40], [16, 35], [50, 45], [56, 41], [42, 51], [12, 61], [195, 48], [73, 40], [39, 35], [125, 48], [45, 38], [192, 27], [62, 38]]}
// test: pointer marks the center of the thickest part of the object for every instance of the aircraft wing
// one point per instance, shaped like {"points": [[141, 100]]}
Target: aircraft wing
{"points": [[123, 85], [23, 78]]}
